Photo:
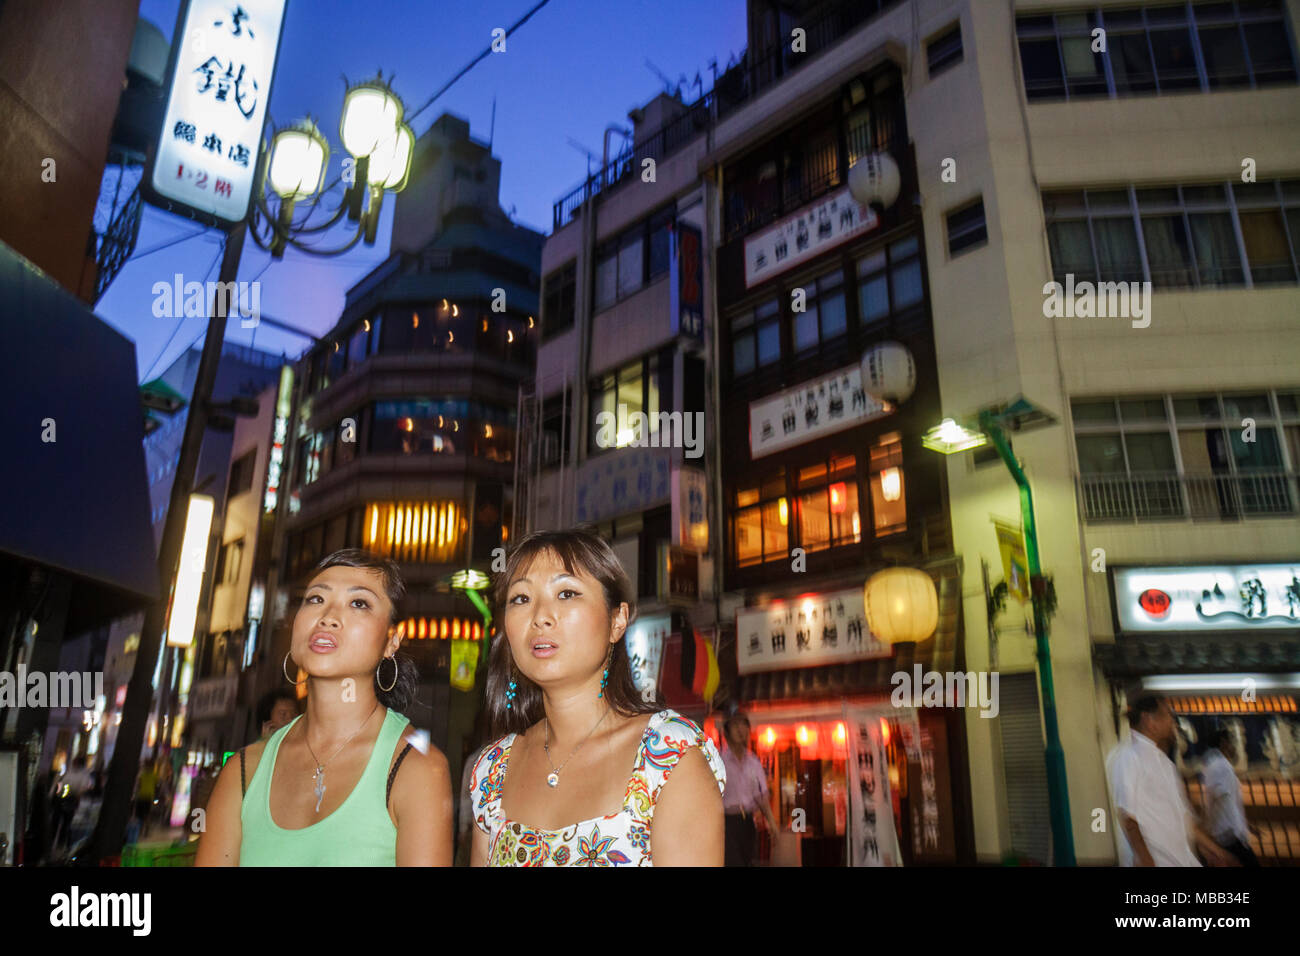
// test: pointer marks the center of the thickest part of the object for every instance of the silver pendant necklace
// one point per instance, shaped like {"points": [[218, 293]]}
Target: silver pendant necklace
{"points": [[553, 778], [318, 777]]}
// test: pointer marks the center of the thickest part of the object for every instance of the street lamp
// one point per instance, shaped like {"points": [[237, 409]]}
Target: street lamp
{"points": [[950, 437], [471, 582], [381, 146]]}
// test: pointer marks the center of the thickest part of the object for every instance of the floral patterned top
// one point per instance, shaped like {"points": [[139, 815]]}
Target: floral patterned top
{"points": [[619, 839]]}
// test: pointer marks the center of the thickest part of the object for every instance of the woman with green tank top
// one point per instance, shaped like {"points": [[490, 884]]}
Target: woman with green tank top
{"points": [[325, 789]]}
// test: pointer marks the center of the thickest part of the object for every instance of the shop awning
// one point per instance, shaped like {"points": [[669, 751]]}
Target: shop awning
{"points": [[74, 492]]}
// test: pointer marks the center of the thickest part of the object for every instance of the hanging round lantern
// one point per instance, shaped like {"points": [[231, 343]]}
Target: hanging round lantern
{"points": [[875, 178], [902, 605], [888, 372]]}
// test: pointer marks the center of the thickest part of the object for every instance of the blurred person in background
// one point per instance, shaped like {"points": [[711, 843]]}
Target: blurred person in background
{"points": [[1225, 815], [276, 709], [1156, 824], [746, 796]]}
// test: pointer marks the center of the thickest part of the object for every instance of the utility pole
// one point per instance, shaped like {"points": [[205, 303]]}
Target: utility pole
{"points": [[113, 817]]}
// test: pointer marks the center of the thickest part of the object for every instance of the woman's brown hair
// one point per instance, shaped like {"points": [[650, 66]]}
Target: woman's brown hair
{"points": [[576, 548]]}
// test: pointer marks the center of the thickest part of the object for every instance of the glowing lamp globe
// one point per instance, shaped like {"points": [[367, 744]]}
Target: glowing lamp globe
{"points": [[299, 156], [902, 605], [371, 114], [875, 178], [390, 163], [888, 372]]}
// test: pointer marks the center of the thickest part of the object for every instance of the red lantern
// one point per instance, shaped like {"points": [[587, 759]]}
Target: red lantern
{"points": [[839, 498]]}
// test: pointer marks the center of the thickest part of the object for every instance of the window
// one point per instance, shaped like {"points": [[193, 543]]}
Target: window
{"points": [[442, 426], [229, 559], [634, 388], [944, 51], [760, 526], [756, 338], [889, 281], [1188, 233], [1199, 456], [966, 228], [888, 494], [828, 504], [628, 262], [1168, 48], [241, 474], [358, 342], [557, 431], [823, 317]]}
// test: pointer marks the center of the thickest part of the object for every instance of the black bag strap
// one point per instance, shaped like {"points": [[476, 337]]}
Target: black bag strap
{"points": [[393, 773], [243, 787]]}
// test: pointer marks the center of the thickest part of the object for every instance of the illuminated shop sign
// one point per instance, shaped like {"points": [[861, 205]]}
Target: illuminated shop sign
{"points": [[223, 57], [807, 631], [1227, 597]]}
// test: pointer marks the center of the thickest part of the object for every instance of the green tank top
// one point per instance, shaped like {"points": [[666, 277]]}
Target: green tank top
{"points": [[358, 833]]}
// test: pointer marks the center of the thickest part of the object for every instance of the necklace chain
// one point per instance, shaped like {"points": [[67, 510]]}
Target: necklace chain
{"points": [[306, 737], [546, 726]]}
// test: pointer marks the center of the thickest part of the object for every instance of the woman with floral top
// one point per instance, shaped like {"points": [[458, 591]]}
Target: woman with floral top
{"points": [[579, 740]]}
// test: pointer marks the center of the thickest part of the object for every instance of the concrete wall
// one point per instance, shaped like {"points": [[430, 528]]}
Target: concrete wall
{"points": [[62, 69]]}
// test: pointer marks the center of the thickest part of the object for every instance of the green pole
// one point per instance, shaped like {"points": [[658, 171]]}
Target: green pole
{"points": [[1057, 787]]}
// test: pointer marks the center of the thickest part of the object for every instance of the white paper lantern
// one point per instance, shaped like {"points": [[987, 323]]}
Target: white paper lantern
{"points": [[888, 372], [875, 178], [902, 605]]}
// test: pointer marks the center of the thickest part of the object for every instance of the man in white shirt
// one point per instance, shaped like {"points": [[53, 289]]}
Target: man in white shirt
{"points": [[1154, 819], [746, 795], [1225, 816]]}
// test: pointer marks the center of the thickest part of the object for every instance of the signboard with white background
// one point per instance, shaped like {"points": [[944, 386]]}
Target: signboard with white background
{"points": [[818, 407], [810, 630], [223, 58], [1226, 597]]}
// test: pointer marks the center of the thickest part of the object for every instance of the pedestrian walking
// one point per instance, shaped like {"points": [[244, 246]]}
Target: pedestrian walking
{"points": [[1155, 821], [1225, 814], [746, 798]]}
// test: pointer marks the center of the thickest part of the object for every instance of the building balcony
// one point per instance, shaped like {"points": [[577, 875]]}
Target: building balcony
{"points": [[1163, 496]]}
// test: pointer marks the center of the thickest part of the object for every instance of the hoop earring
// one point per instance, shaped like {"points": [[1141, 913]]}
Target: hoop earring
{"points": [[284, 666], [396, 670]]}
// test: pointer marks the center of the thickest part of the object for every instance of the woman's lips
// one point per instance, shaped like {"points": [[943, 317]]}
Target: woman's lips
{"points": [[323, 644], [543, 648]]}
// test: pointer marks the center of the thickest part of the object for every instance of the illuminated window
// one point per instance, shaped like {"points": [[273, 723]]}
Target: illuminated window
{"points": [[888, 494], [415, 531], [760, 528]]}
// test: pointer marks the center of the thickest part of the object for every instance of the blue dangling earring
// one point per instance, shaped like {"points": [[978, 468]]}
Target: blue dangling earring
{"points": [[603, 681], [511, 693]]}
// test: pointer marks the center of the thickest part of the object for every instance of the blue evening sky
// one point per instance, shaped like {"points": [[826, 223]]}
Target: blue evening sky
{"points": [[573, 68]]}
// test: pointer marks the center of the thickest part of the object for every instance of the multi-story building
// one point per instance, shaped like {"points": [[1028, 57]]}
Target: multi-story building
{"points": [[764, 516], [1152, 144], [615, 425], [402, 439]]}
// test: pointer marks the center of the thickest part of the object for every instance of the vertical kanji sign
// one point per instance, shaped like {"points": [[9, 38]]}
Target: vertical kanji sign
{"points": [[204, 162]]}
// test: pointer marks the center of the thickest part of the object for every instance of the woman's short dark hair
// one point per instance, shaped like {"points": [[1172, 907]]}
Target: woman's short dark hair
{"points": [[402, 692], [576, 548]]}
